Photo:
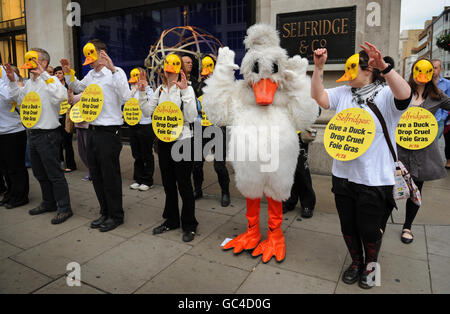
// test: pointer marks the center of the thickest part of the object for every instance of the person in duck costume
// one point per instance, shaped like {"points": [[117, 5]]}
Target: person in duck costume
{"points": [[274, 95]]}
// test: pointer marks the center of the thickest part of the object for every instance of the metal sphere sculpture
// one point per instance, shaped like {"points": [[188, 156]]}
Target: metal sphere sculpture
{"points": [[183, 40]]}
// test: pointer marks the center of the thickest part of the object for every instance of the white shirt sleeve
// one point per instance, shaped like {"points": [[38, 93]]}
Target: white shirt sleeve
{"points": [[16, 93], [76, 85], [121, 86], [189, 104], [57, 91], [148, 104]]}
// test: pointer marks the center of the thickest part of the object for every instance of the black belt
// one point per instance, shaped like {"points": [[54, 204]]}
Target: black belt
{"points": [[41, 131], [104, 127]]}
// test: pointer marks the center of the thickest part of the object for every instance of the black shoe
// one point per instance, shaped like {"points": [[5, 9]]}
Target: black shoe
{"points": [[353, 272], [198, 194], [4, 201], [226, 201], [61, 217], [97, 223], [364, 280], [288, 208], [109, 225], [406, 240], [161, 229], [307, 212], [11, 206], [40, 210], [188, 236]]}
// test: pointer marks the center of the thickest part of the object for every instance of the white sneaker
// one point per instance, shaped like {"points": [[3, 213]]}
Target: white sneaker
{"points": [[135, 186], [144, 187]]}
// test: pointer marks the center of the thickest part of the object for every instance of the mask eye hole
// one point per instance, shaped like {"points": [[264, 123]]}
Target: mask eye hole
{"points": [[256, 68], [275, 68], [353, 65]]}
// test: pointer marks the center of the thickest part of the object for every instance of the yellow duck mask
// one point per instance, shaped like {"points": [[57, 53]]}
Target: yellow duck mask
{"points": [[351, 69], [29, 62], [134, 76], [423, 71], [90, 53], [207, 66], [172, 64]]}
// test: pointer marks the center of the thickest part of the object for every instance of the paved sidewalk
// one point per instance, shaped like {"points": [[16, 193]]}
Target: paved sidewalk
{"points": [[34, 253]]}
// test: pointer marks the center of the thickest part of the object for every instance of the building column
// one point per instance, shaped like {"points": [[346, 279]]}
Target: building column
{"points": [[47, 28]]}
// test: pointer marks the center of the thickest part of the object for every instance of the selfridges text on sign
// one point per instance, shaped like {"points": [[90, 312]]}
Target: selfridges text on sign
{"points": [[303, 32]]}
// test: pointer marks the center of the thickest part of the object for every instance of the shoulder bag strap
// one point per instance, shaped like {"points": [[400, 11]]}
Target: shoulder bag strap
{"points": [[377, 112]]}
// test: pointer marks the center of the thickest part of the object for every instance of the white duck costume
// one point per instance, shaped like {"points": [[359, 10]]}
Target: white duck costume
{"points": [[274, 101]]}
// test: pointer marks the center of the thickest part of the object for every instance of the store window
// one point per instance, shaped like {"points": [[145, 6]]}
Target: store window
{"points": [[129, 33], [13, 43]]}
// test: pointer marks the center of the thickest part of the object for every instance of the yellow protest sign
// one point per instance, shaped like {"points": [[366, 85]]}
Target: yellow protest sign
{"points": [[167, 121], [349, 134], [417, 129], [132, 112], [75, 114], [30, 110], [91, 102], [205, 121], [65, 106]]}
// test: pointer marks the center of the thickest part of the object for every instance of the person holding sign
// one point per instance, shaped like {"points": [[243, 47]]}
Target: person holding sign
{"points": [[219, 157], [13, 140], [176, 98], [363, 187], [40, 100], [141, 140], [103, 142], [424, 163]]}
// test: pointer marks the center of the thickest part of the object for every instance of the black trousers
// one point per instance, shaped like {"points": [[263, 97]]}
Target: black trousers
{"points": [[141, 141], [103, 152], [363, 210], [176, 177], [12, 166], [2, 183], [302, 189], [44, 153], [411, 208], [66, 146], [220, 166]]}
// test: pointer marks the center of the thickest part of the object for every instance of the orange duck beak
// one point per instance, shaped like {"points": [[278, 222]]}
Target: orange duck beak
{"points": [[265, 91]]}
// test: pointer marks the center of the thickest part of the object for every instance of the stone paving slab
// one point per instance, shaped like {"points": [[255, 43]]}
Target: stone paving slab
{"points": [[438, 240], [60, 287], [37, 230], [16, 278], [392, 243], [321, 221], [440, 273], [210, 249], [127, 267], [267, 279], [193, 275], [399, 275], [79, 245], [208, 223], [315, 254], [7, 250]]}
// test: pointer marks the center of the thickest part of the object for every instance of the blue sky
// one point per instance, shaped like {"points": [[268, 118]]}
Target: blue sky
{"points": [[416, 12]]}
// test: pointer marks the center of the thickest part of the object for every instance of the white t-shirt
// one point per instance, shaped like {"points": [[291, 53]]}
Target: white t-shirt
{"points": [[376, 166]]}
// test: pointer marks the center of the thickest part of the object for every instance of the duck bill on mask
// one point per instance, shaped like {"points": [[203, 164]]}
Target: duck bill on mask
{"points": [[422, 78], [133, 80], [206, 72], [89, 60], [265, 91], [346, 77], [170, 69], [29, 66]]}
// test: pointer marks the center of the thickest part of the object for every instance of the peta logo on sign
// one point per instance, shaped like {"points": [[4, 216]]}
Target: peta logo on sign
{"points": [[73, 278], [74, 17]]}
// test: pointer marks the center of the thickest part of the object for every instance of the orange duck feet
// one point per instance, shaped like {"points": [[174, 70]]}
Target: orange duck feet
{"points": [[246, 241], [273, 246]]}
